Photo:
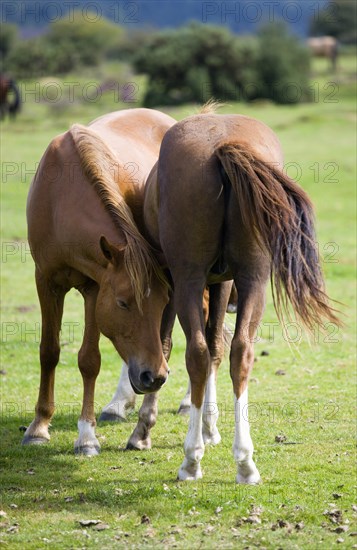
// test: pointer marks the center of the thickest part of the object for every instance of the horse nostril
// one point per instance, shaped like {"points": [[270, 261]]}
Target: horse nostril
{"points": [[147, 379]]}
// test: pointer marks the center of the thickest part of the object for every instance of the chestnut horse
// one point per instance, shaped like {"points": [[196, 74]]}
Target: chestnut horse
{"points": [[84, 212], [220, 207]]}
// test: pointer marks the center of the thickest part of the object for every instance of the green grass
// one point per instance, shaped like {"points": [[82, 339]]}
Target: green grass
{"points": [[313, 404]]}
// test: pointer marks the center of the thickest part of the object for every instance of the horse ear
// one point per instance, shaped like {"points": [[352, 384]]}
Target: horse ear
{"points": [[112, 252]]}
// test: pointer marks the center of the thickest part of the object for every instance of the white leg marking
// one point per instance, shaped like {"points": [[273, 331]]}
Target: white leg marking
{"points": [[87, 443], [185, 404], [193, 447], [124, 398], [210, 432], [243, 445]]}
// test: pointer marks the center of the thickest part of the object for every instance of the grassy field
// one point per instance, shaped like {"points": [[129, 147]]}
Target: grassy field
{"points": [[307, 499]]}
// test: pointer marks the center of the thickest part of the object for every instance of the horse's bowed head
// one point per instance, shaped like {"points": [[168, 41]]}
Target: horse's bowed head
{"points": [[122, 317]]}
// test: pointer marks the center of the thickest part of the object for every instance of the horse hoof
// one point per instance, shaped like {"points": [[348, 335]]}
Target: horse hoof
{"points": [[32, 440], [211, 439], [184, 410], [191, 474], [87, 450], [138, 446], [253, 479], [111, 417]]}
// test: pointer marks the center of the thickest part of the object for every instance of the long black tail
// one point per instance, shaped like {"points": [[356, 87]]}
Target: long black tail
{"points": [[280, 215]]}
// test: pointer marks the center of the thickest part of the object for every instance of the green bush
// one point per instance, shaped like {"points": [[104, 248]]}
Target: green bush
{"points": [[29, 59], [68, 45], [283, 66], [194, 63], [89, 40], [197, 62]]}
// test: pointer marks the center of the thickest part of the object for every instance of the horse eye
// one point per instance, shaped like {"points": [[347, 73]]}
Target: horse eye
{"points": [[122, 304]]}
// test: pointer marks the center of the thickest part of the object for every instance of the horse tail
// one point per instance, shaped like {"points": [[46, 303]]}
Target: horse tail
{"points": [[15, 105], [280, 216]]}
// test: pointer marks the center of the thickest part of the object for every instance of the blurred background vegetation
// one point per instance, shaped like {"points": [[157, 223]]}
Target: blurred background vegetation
{"points": [[173, 66]]}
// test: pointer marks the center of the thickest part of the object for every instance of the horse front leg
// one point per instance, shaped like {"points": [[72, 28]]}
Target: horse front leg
{"points": [[51, 300], [140, 438], [185, 404], [189, 308], [251, 299], [122, 402], [89, 366]]}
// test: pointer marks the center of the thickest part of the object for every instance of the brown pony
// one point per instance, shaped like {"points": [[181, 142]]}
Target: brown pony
{"points": [[84, 209], [8, 87], [220, 207]]}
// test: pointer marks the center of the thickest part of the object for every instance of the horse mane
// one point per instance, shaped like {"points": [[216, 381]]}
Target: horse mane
{"points": [[98, 163], [210, 107]]}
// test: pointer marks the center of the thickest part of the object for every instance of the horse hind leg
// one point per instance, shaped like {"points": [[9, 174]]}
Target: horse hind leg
{"points": [[51, 299], [188, 296], [185, 404], [219, 295], [89, 366], [251, 300]]}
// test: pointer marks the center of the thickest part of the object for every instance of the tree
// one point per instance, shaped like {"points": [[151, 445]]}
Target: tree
{"points": [[338, 19]]}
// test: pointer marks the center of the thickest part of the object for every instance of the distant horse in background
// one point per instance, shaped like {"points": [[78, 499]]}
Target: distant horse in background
{"points": [[10, 98], [324, 46]]}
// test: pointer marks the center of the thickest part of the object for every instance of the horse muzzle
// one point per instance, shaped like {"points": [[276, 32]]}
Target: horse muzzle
{"points": [[143, 380]]}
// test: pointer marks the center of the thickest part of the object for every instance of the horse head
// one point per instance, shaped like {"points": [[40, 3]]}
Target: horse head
{"points": [[131, 323]]}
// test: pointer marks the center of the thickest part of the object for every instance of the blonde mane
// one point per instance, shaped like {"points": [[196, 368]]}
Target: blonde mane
{"points": [[98, 163], [210, 107]]}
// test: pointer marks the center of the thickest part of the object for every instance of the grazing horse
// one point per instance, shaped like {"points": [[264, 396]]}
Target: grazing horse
{"points": [[324, 46], [8, 87], [219, 206], [84, 212]]}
